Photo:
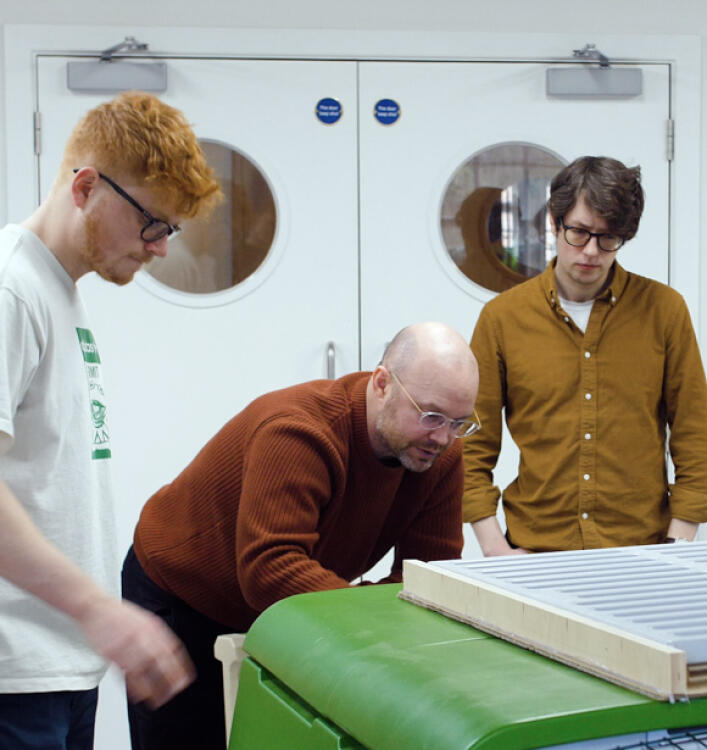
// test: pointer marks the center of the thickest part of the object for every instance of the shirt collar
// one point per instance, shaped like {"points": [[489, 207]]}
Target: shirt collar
{"points": [[611, 294]]}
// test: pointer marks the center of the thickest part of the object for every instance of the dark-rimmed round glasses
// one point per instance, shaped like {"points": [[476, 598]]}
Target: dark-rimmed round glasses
{"points": [[579, 237], [155, 229], [433, 420]]}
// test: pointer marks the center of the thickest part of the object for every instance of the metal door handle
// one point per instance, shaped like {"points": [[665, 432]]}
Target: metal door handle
{"points": [[331, 360]]}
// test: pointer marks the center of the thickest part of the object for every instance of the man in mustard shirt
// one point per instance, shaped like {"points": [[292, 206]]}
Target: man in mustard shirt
{"points": [[594, 367]]}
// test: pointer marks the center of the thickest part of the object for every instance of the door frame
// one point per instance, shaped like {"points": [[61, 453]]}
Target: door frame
{"points": [[22, 43]]}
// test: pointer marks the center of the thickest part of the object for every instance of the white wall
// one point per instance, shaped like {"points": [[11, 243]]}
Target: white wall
{"points": [[600, 16]]}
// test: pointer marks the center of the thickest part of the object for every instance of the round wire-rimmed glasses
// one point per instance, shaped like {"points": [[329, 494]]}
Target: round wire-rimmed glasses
{"points": [[433, 420]]}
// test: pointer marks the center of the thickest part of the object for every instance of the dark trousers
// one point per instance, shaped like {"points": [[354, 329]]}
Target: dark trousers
{"points": [[194, 718], [63, 720]]}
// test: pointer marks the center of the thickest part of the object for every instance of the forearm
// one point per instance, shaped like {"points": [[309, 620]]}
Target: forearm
{"points": [[154, 662], [30, 561], [492, 540]]}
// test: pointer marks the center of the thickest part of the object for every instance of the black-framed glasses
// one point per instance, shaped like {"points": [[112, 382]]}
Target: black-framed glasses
{"points": [[155, 229], [579, 237], [433, 420]]}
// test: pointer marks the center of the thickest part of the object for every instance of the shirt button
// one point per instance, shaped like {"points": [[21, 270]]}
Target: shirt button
{"points": [[587, 354], [613, 300], [588, 396], [585, 516], [567, 320], [586, 477], [587, 435]]}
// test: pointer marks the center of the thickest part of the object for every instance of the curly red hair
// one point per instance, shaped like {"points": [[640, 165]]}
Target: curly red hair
{"points": [[136, 136]]}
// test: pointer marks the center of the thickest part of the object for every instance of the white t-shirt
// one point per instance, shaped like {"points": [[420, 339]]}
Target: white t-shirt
{"points": [[578, 311], [54, 456]]}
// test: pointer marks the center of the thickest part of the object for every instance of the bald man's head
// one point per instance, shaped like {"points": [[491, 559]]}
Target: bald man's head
{"points": [[429, 345], [427, 367]]}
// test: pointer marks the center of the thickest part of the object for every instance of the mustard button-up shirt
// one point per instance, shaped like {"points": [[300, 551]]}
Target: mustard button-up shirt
{"points": [[589, 413]]}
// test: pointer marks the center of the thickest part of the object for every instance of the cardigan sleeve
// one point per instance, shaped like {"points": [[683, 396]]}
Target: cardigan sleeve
{"points": [[435, 532], [288, 477]]}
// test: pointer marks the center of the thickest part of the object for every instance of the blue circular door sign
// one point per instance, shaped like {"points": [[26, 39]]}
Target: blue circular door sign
{"points": [[386, 111], [329, 110]]}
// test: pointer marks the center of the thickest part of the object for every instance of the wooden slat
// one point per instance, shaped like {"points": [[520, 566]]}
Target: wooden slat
{"points": [[631, 660]]}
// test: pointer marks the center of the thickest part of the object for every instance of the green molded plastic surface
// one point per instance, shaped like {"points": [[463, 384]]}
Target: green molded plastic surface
{"points": [[393, 675], [271, 718]]}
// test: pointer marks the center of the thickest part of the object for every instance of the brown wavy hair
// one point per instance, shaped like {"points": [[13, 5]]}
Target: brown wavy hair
{"points": [[137, 137], [610, 189]]}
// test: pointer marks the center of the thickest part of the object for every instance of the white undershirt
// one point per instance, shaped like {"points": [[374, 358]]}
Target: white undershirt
{"points": [[578, 311]]}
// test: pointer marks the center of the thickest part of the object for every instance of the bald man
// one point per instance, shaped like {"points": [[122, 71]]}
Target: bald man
{"points": [[304, 490]]}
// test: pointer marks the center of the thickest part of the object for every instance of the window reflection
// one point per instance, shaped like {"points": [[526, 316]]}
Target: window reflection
{"points": [[494, 220], [222, 250]]}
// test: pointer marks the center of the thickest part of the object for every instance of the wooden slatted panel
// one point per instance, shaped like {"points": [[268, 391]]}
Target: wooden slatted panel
{"points": [[658, 591], [645, 606]]}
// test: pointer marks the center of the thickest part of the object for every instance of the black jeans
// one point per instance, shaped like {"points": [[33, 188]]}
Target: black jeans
{"points": [[194, 718], [48, 721]]}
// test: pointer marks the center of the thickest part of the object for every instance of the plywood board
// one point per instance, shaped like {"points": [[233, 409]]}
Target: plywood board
{"points": [[636, 616]]}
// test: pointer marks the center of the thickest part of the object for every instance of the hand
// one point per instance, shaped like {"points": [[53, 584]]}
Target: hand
{"points": [[502, 548], [492, 540], [154, 661], [680, 529], [155, 664]]}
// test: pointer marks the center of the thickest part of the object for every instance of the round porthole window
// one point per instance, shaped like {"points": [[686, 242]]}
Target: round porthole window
{"points": [[494, 220], [221, 251]]}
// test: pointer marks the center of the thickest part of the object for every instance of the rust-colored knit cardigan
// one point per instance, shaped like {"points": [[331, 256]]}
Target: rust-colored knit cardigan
{"points": [[288, 497]]}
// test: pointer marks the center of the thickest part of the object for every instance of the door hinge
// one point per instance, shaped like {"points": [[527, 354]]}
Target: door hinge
{"points": [[37, 133], [670, 140]]}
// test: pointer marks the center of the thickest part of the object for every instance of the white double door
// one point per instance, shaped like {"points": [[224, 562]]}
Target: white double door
{"points": [[358, 251]]}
